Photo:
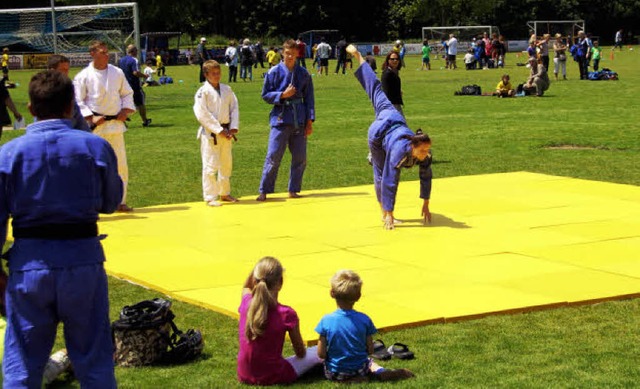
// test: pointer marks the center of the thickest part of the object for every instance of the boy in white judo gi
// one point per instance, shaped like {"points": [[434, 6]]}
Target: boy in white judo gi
{"points": [[216, 108]]}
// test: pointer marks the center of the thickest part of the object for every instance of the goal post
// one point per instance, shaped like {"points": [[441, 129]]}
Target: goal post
{"points": [[69, 29], [566, 28]]}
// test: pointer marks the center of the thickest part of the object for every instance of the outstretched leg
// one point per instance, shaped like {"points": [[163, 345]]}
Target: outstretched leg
{"points": [[370, 83]]}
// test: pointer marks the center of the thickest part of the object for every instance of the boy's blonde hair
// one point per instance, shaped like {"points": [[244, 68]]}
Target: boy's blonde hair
{"points": [[209, 65], [267, 275], [346, 285]]}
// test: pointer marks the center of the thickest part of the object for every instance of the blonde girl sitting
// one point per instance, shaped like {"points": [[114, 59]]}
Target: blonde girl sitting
{"points": [[262, 328]]}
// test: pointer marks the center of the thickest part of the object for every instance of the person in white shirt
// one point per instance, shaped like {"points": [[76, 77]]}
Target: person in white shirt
{"points": [[105, 99], [216, 108], [231, 58], [452, 51], [323, 51], [148, 72]]}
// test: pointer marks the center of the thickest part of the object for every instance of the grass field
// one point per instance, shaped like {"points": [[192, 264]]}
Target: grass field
{"points": [[580, 129]]}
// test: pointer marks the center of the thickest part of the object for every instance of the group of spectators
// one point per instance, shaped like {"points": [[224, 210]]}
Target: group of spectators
{"points": [[486, 52]]}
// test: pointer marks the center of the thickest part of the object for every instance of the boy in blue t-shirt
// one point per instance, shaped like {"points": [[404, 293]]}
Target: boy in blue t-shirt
{"points": [[346, 336]]}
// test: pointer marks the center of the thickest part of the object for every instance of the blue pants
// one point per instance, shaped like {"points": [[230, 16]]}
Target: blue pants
{"points": [[36, 301], [386, 117], [246, 72], [279, 139]]}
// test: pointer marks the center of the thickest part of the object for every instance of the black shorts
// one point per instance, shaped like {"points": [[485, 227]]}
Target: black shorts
{"points": [[5, 70], [452, 57], [138, 97], [324, 61]]}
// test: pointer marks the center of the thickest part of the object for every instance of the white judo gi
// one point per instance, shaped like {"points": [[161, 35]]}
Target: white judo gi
{"points": [[214, 110], [107, 92]]}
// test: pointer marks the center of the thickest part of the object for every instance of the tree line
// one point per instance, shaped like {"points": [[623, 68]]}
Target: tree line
{"points": [[366, 20]]}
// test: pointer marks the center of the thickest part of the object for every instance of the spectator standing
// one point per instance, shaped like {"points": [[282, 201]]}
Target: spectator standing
{"points": [[544, 50], [618, 40], [202, 54], [105, 99], [584, 54], [259, 54], [452, 51], [5, 64], [5, 97], [246, 60], [596, 54], [426, 52], [302, 52], [371, 60], [231, 56], [131, 68], [391, 83], [559, 57], [341, 55], [323, 52]]}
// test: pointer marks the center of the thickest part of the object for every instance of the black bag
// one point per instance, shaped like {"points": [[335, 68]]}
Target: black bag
{"points": [[143, 336], [469, 90]]}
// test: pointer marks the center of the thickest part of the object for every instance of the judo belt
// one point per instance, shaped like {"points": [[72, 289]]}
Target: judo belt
{"points": [[294, 103], [379, 138], [106, 117], [225, 126], [57, 231]]}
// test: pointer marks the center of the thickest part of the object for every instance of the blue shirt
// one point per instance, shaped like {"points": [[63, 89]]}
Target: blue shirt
{"points": [[303, 102], [55, 174], [129, 65], [346, 332]]}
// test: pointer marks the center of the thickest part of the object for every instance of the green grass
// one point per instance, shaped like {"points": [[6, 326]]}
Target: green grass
{"points": [[588, 346]]}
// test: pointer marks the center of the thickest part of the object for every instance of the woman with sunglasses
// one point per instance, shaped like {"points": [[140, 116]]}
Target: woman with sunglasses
{"points": [[391, 84]]}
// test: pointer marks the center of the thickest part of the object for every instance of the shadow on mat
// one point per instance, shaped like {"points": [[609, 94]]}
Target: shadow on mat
{"points": [[437, 220], [335, 194], [139, 212]]}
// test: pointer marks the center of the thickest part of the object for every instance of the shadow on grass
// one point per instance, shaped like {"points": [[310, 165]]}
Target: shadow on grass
{"points": [[437, 220]]}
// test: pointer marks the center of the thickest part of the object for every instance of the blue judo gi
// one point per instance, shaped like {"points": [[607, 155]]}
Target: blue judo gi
{"points": [[390, 150], [54, 181], [287, 119]]}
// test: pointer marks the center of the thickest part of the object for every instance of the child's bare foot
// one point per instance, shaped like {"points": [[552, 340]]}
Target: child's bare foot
{"points": [[395, 374], [294, 195]]}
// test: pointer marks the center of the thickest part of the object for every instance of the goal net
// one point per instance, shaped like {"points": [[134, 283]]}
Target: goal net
{"points": [[69, 29], [464, 34]]}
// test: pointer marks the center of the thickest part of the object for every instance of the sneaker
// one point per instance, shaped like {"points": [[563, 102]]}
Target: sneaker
{"points": [[146, 123]]}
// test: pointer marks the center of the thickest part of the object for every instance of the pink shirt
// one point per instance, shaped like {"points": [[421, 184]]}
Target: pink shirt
{"points": [[260, 362]]}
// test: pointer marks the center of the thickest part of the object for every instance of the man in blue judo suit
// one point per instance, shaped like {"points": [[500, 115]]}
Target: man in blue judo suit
{"points": [[289, 88], [393, 146], [54, 181]]}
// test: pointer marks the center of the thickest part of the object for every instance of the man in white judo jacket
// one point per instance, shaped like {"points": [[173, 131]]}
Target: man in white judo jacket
{"points": [[106, 100], [216, 108]]}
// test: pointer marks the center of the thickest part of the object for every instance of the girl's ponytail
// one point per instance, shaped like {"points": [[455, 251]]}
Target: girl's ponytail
{"points": [[266, 276]]}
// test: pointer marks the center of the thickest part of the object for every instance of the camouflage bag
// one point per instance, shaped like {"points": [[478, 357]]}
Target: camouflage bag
{"points": [[143, 333]]}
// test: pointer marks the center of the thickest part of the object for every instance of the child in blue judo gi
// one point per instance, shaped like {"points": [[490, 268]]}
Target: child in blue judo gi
{"points": [[393, 146], [54, 180], [289, 89]]}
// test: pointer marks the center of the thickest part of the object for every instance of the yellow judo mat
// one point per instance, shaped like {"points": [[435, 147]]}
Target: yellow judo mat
{"points": [[497, 243]]}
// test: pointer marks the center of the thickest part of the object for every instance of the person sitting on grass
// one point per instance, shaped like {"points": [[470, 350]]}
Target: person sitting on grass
{"points": [[346, 336], [504, 88], [470, 60], [538, 81], [393, 146], [263, 324], [148, 71]]}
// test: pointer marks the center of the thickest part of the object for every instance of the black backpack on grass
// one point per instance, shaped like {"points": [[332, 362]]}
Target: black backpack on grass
{"points": [[145, 335], [469, 90]]}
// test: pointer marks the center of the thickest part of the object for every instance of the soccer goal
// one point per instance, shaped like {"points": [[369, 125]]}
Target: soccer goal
{"points": [[566, 28], [69, 29], [464, 34]]}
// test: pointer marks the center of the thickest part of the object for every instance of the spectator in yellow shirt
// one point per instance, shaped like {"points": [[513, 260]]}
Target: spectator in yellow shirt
{"points": [[273, 57], [5, 64], [504, 88]]}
